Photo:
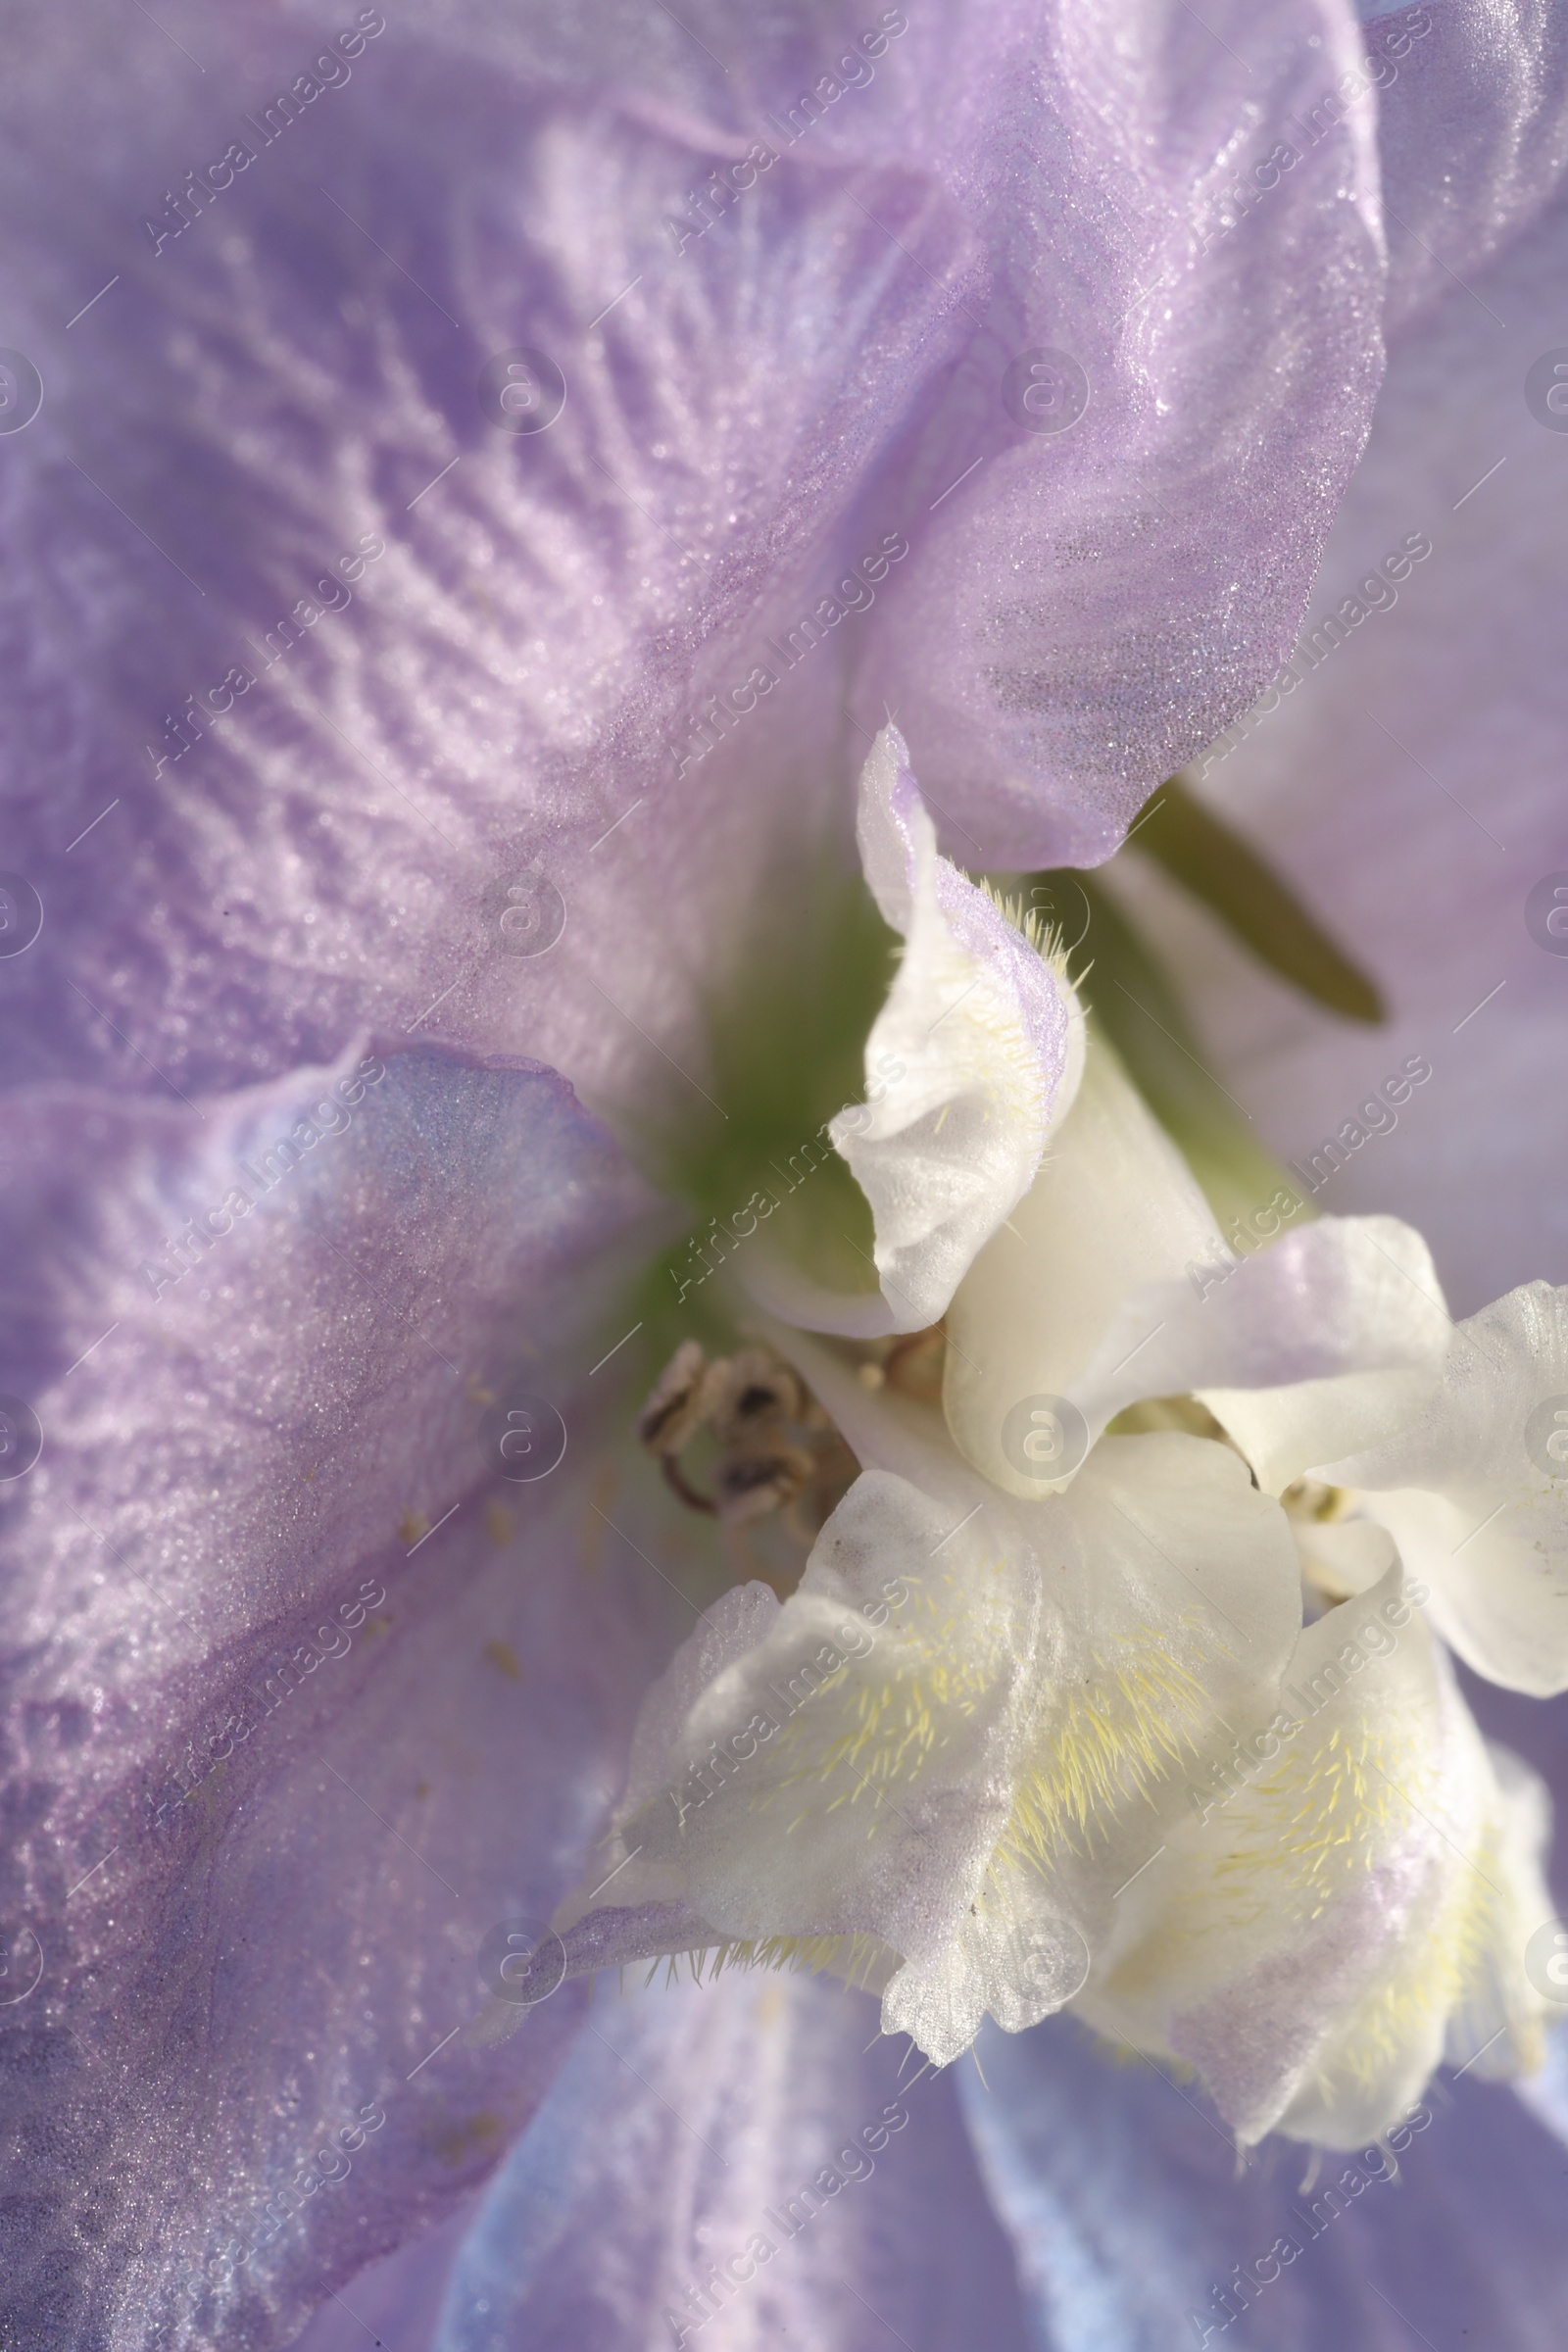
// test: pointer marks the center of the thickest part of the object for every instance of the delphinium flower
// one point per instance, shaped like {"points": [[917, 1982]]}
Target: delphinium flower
{"points": [[615, 1361]]}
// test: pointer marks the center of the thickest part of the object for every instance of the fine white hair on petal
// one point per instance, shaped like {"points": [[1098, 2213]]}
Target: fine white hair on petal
{"points": [[947, 1751], [1350, 1901], [973, 1060], [848, 1775]]}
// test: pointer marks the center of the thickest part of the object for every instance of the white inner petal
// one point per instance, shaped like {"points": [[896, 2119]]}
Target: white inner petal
{"points": [[973, 1058], [1356, 1896], [1101, 1289], [969, 1725], [1114, 1206], [1475, 1488]]}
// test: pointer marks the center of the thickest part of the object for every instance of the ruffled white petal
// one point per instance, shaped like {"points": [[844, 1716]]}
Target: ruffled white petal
{"points": [[974, 1057], [1172, 1606], [1114, 1208], [969, 1726], [1354, 1903], [1474, 1489], [1111, 1283], [736, 1622], [1333, 1335], [849, 1775]]}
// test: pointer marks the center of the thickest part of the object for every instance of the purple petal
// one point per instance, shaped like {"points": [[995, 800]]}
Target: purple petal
{"points": [[1538, 1730], [394, 2304], [1472, 133], [278, 1763], [757, 427], [1410, 784], [1088, 606], [1123, 2198], [298, 375], [692, 2123]]}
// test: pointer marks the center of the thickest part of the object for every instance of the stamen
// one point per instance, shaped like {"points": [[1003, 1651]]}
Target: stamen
{"points": [[752, 1484], [1312, 1500], [676, 1479], [1183, 1413], [678, 1407], [777, 1448], [913, 1365]]}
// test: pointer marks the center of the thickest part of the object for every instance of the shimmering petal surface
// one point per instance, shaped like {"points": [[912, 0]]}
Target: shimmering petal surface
{"points": [[742, 2128], [1472, 133], [1128, 2208], [1118, 544], [266, 1743], [1412, 784], [431, 809], [472, 651]]}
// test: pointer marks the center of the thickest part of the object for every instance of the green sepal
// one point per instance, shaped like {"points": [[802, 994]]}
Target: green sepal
{"points": [[1198, 850], [785, 1043]]}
